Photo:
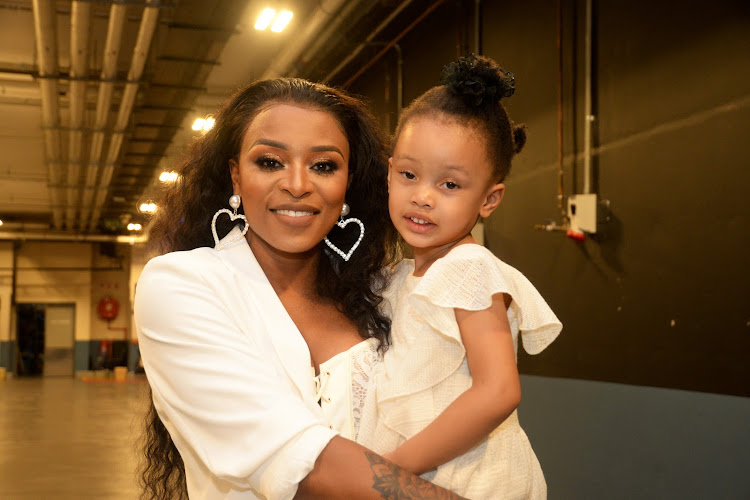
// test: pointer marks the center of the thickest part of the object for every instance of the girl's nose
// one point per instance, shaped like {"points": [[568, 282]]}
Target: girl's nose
{"points": [[422, 196], [297, 182]]}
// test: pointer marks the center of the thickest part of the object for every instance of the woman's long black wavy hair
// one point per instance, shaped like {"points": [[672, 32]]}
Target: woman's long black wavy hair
{"points": [[183, 222]]}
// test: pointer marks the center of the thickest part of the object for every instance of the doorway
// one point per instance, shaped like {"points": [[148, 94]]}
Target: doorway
{"points": [[45, 339]]}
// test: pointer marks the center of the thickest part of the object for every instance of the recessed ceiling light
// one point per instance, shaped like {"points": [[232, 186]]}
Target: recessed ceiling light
{"points": [[265, 19], [148, 207], [168, 176], [204, 124], [281, 20]]}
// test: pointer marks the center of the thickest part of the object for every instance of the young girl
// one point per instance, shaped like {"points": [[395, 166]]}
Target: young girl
{"points": [[445, 395]]}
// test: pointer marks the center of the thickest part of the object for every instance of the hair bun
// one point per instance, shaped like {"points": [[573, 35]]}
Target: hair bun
{"points": [[478, 80], [519, 137]]}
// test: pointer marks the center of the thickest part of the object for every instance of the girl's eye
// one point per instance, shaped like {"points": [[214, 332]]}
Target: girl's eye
{"points": [[408, 175], [268, 163], [325, 167], [451, 185]]}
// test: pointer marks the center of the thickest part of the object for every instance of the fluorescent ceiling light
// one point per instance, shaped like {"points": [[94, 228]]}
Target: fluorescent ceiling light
{"points": [[281, 20], [168, 176], [204, 124], [16, 77], [148, 208], [198, 123], [265, 19]]}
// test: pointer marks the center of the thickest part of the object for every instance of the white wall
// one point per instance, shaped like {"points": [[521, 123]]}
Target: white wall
{"points": [[138, 258], [42, 278], [110, 277], [70, 273], [6, 288]]}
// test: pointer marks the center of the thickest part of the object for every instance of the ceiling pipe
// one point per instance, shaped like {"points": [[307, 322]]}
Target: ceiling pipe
{"points": [[348, 12], [367, 41], [323, 14], [45, 30], [79, 47], [140, 55], [587, 100], [117, 20], [32, 236], [390, 44]]}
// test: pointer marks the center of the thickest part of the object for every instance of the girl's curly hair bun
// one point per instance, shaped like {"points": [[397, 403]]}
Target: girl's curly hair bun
{"points": [[478, 80]]}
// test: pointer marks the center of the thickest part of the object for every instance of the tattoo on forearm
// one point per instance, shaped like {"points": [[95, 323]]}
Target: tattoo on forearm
{"points": [[396, 483]]}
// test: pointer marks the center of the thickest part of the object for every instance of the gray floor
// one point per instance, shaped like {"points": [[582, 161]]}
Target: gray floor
{"points": [[66, 438]]}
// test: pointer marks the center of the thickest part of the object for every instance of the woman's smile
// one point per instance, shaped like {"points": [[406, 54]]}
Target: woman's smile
{"points": [[297, 216]]}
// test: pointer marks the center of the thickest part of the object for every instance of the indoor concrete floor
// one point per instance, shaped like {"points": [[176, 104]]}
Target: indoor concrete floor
{"points": [[65, 438]]}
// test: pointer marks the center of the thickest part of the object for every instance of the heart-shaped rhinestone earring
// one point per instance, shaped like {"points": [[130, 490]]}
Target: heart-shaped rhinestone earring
{"points": [[234, 202], [342, 223]]}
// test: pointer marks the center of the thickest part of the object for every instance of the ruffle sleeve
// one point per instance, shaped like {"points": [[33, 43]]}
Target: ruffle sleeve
{"points": [[425, 367], [467, 278]]}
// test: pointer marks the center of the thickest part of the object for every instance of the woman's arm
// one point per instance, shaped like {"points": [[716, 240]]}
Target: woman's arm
{"points": [[346, 470], [494, 394]]}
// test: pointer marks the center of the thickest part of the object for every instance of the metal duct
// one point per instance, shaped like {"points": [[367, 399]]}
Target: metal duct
{"points": [[323, 14], [46, 236], [140, 54], [587, 106], [45, 31], [367, 40], [334, 26], [104, 100], [79, 46]]}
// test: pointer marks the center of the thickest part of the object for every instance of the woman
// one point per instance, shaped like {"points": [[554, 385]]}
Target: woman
{"points": [[229, 328]]}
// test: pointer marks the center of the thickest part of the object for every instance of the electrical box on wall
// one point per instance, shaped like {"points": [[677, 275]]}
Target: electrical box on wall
{"points": [[582, 212]]}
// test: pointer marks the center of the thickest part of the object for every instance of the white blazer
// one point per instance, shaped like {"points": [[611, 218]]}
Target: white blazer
{"points": [[230, 374]]}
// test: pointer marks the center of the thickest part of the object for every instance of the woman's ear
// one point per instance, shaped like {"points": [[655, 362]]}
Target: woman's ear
{"points": [[492, 200], [234, 171]]}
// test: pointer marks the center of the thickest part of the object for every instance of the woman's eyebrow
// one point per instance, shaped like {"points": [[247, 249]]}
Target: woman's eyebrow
{"points": [[285, 147], [269, 142], [318, 149]]}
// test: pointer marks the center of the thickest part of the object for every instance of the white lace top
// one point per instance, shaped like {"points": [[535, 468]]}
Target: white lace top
{"points": [[425, 369], [342, 385]]}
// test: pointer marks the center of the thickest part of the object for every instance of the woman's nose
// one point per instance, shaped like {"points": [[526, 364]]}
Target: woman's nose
{"points": [[297, 182]]}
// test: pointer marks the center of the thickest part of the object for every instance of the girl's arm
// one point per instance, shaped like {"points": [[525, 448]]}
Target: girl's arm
{"points": [[494, 394], [347, 470]]}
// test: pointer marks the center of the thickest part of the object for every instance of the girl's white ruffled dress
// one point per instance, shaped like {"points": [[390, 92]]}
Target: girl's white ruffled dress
{"points": [[425, 369]]}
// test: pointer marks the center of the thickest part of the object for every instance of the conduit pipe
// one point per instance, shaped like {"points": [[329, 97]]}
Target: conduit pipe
{"points": [[347, 12], [560, 152], [477, 27], [79, 44], [140, 55], [392, 43], [588, 116], [103, 103], [45, 30], [322, 14], [368, 40], [31, 236]]}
